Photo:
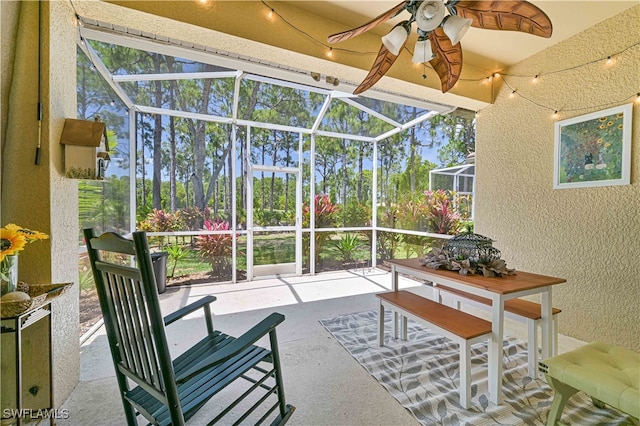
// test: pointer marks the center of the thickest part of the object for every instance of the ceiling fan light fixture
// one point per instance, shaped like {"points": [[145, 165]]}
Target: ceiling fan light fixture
{"points": [[422, 52], [430, 14], [396, 38], [456, 27]]}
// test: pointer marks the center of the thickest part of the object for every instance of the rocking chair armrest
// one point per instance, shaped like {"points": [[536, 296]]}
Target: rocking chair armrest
{"points": [[254, 334], [201, 303]]}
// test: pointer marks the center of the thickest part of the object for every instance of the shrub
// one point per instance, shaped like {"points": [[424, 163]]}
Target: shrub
{"points": [[176, 253], [194, 217], [216, 249], [357, 214], [443, 216], [413, 213], [388, 243], [347, 246], [417, 244], [326, 215], [161, 221]]}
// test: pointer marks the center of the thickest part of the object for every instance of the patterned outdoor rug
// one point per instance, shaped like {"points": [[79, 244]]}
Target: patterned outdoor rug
{"points": [[422, 372]]}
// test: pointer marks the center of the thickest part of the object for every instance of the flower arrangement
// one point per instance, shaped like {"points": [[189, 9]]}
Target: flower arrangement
{"points": [[13, 240]]}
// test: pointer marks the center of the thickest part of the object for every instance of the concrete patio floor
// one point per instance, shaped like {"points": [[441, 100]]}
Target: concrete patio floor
{"points": [[322, 380]]}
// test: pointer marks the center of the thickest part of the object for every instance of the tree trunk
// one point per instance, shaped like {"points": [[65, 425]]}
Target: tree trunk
{"points": [[229, 191], [344, 174], [157, 139], [143, 195], [360, 167], [172, 163], [274, 158], [264, 152]]}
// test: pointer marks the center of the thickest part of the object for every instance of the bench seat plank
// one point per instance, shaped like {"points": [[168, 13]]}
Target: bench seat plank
{"points": [[520, 307], [458, 326], [457, 322]]}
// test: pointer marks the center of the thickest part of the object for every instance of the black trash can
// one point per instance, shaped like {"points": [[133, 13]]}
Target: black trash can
{"points": [[159, 261]]}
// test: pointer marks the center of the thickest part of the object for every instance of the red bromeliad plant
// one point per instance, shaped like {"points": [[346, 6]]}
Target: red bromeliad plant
{"points": [[326, 212], [216, 249], [443, 215]]}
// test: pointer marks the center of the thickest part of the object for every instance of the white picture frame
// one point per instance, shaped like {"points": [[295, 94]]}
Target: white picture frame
{"points": [[593, 149]]}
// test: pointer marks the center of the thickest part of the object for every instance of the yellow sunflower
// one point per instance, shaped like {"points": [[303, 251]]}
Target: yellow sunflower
{"points": [[620, 126], [603, 118], [620, 115], [602, 126], [599, 140], [610, 123], [29, 234], [11, 242]]}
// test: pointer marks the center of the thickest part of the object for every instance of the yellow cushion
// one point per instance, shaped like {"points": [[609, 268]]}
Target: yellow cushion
{"points": [[608, 373]]}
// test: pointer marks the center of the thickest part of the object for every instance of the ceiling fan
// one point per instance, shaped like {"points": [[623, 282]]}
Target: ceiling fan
{"points": [[439, 32]]}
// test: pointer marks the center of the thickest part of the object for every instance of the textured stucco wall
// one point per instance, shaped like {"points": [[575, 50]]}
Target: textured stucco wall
{"points": [[37, 196], [9, 12], [590, 235]]}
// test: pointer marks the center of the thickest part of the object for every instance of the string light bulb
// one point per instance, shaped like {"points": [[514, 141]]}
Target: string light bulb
{"points": [[512, 94], [112, 103], [555, 114], [609, 60], [535, 79], [330, 52], [496, 74], [638, 98]]}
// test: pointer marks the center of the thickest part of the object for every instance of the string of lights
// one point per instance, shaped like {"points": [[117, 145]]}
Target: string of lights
{"points": [[330, 50], [608, 60], [556, 111]]}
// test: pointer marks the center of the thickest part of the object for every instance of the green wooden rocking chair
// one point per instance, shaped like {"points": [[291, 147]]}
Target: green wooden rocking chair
{"points": [[170, 391]]}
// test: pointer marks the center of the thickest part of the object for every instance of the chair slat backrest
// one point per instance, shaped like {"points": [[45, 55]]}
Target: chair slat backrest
{"points": [[131, 310]]}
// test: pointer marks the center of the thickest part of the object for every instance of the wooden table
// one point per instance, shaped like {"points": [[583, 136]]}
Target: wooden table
{"points": [[498, 289]]}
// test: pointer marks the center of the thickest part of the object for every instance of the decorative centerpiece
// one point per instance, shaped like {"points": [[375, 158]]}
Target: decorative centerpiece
{"points": [[469, 254], [13, 240]]}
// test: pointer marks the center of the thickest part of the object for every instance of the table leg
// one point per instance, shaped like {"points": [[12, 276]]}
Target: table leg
{"points": [[394, 287], [547, 318], [381, 324], [495, 350], [394, 278], [395, 325]]}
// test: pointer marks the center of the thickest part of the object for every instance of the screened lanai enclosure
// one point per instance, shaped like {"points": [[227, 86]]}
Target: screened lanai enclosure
{"points": [[238, 170]]}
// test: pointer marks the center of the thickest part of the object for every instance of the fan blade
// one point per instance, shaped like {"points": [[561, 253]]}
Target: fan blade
{"points": [[506, 15], [345, 35], [381, 65], [448, 60]]}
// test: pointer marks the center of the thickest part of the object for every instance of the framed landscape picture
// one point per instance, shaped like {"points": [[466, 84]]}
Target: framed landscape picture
{"points": [[593, 149]]}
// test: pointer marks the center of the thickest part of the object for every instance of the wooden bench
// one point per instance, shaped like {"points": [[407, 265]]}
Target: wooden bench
{"points": [[458, 326], [522, 310]]}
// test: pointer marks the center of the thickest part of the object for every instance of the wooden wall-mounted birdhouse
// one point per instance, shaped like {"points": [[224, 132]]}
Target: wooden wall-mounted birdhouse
{"points": [[86, 154]]}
